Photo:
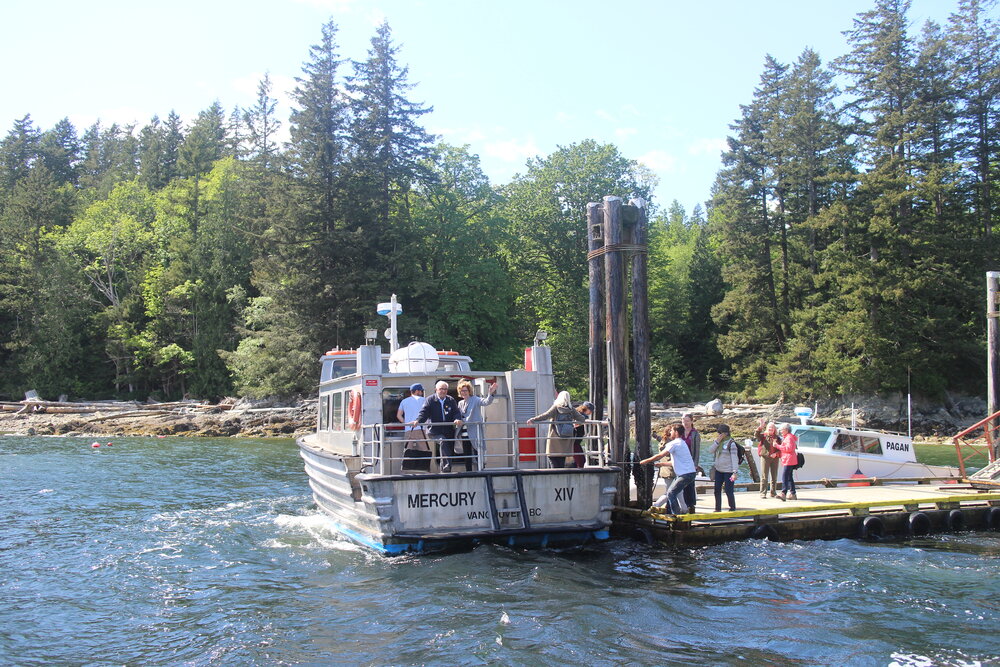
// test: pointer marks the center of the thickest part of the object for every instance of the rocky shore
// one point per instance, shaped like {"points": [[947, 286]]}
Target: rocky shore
{"points": [[273, 418]]}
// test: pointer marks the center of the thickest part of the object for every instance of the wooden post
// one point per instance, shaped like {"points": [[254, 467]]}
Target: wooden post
{"points": [[616, 330], [640, 349], [992, 355], [595, 268]]}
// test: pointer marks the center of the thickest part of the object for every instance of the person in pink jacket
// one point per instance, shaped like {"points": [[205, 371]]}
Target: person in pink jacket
{"points": [[789, 459]]}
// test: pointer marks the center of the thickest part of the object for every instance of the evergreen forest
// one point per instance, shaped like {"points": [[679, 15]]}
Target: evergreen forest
{"points": [[843, 249]]}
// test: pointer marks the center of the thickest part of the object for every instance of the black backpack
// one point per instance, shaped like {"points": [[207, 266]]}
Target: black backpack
{"points": [[741, 454], [800, 460]]}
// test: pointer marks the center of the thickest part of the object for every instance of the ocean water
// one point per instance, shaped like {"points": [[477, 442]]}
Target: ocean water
{"points": [[171, 551]]}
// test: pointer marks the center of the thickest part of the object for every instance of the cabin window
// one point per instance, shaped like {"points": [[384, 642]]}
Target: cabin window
{"points": [[342, 367], [871, 445], [810, 438], [337, 368], [391, 398], [324, 412], [847, 443], [337, 418]]}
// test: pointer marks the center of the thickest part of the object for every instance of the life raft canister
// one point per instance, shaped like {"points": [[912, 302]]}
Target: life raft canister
{"points": [[354, 411]]}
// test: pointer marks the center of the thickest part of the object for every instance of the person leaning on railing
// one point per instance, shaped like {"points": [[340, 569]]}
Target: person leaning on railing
{"points": [[558, 447], [579, 433]]}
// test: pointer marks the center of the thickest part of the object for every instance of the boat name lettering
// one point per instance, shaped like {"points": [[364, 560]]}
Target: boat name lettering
{"points": [[504, 514], [897, 446], [565, 493], [444, 499]]}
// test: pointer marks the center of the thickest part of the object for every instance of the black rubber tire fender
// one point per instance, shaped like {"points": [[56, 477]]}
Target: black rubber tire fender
{"points": [[918, 524], [871, 528], [764, 531]]}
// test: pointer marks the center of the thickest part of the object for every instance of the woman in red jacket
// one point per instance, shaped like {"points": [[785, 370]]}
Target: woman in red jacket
{"points": [[789, 459]]}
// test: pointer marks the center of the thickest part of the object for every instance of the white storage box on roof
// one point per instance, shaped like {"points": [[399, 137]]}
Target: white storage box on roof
{"points": [[414, 358]]}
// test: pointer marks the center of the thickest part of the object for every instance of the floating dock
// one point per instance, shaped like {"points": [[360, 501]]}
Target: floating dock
{"points": [[831, 512]]}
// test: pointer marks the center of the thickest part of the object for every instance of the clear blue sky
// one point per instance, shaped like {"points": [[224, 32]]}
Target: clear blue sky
{"points": [[513, 79]]}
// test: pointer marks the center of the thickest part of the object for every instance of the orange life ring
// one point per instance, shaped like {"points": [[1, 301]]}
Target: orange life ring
{"points": [[354, 411]]}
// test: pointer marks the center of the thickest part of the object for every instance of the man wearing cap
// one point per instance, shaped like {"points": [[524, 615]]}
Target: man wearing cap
{"points": [[417, 453], [727, 462]]}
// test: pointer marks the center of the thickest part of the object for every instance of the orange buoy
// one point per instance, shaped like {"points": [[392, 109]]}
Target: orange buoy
{"points": [[858, 474], [95, 445]]}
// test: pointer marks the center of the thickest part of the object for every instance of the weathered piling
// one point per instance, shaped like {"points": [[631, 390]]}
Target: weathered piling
{"points": [[992, 356], [614, 231], [640, 346], [615, 335], [595, 269]]}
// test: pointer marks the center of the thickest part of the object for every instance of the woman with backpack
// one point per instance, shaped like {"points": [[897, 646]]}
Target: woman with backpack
{"points": [[561, 417], [789, 461], [727, 463]]}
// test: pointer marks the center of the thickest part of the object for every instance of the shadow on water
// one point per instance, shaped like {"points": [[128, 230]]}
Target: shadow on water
{"points": [[209, 552]]}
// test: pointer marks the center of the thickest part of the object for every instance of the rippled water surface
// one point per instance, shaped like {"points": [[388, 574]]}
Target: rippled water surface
{"points": [[211, 552]]}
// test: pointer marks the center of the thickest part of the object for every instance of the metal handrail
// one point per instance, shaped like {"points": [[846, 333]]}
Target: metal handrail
{"points": [[594, 443], [987, 432]]}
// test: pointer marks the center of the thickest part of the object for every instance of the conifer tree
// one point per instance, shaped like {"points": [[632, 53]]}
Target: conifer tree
{"points": [[975, 36]]}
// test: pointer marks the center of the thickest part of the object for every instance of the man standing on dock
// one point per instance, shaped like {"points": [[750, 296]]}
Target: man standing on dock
{"points": [[440, 409]]}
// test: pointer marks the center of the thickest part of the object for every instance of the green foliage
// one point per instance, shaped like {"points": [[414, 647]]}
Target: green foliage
{"points": [[843, 250]]}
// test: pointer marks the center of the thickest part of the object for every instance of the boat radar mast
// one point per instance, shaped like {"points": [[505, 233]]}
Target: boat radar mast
{"points": [[391, 310]]}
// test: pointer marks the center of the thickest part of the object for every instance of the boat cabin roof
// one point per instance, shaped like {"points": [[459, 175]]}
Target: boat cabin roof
{"points": [[853, 441], [342, 363]]}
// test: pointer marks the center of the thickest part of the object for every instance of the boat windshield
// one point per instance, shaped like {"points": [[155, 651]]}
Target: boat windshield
{"points": [[811, 438]]}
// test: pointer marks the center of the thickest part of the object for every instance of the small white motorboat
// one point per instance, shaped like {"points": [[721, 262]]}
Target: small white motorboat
{"points": [[837, 452]]}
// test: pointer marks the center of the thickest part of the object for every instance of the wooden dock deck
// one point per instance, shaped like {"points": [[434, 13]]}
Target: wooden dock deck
{"points": [[860, 512]]}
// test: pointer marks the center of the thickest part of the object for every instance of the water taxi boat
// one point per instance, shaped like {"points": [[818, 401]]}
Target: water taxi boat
{"points": [[836, 452], [511, 496]]}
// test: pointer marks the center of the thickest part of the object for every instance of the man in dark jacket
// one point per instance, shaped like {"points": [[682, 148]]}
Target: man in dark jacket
{"points": [[438, 409]]}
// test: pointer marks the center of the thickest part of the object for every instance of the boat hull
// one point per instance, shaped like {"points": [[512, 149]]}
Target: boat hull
{"points": [[432, 512], [822, 464]]}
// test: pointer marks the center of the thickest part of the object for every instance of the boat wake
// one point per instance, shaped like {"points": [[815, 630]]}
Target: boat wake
{"points": [[309, 530]]}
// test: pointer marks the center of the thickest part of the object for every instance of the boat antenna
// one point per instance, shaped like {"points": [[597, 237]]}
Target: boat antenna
{"points": [[391, 309]]}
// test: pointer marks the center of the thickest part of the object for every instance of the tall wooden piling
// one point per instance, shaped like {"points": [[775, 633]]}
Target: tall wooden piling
{"points": [[595, 269], [614, 230], [640, 347], [992, 354], [615, 332]]}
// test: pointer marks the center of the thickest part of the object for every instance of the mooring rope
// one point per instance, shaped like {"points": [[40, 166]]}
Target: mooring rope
{"points": [[618, 247]]}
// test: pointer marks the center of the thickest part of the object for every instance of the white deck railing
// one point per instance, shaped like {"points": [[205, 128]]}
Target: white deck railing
{"points": [[518, 446]]}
